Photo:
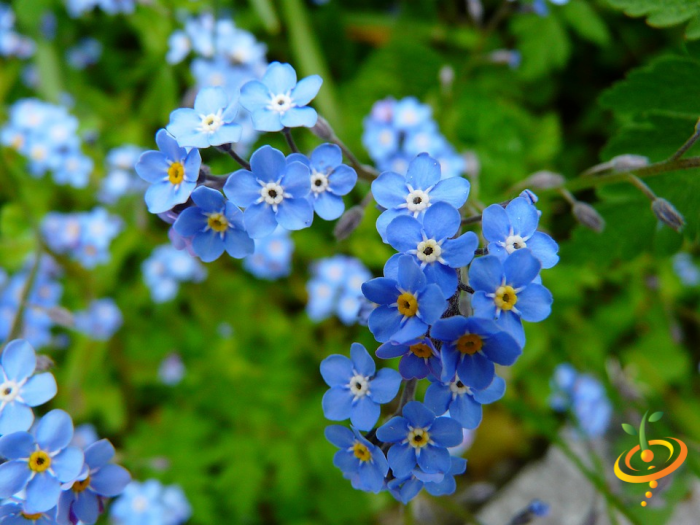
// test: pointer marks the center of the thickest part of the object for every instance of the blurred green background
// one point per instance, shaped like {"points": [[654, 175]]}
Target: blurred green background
{"points": [[243, 432]]}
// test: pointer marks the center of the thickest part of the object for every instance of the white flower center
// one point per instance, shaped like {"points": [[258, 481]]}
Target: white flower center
{"points": [[417, 201], [359, 385], [428, 251], [319, 182], [9, 390], [212, 122], [139, 504], [515, 242], [458, 388], [281, 103], [385, 137], [272, 193]]}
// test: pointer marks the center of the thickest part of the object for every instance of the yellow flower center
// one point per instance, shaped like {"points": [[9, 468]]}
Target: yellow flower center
{"points": [[217, 222], [39, 461], [469, 344], [176, 173], [421, 350], [80, 486], [361, 451], [418, 437], [31, 517], [407, 304], [505, 297]]}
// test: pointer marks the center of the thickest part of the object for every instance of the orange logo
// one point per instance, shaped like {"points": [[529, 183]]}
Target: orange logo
{"points": [[677, 452]]}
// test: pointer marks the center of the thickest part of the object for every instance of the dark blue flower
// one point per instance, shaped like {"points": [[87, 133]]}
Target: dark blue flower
{"points": [[470, 348], [418, 357], [172, 173], [273, 192], [432, 244], [405, 488], [330, 179], [215, 225], [515, 228], [360, 461], [40, 463], [416, 192], [357, 389], [463, 402], [419, 439], [505, 291], [407, 304], [277, 100], [101, 479], [210, 123]]}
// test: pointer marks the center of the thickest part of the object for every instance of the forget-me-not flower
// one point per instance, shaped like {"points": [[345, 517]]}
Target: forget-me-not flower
{"points": [[278, 100], [418, 357], [172, 173], [357, 389], [407, 304], [19, 389], [210, 123], [505, 291], [414, 193], [273, 192], [432, 244], [359, 460], [215, 225]]}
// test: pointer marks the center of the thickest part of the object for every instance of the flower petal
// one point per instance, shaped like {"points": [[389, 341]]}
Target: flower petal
{"points": [[364, 413], [385, 385], [42, 494], [13, 477], [441, 221], [306, 89], [18, 360], [110, 480], [38, 390], [259, 220], [54, 431]]}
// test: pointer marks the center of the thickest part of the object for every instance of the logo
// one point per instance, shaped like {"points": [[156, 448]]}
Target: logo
{"points": [[665, 456]]}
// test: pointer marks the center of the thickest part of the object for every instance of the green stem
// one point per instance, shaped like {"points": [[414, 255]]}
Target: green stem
{"points": [[17, 322], [643, 432]]}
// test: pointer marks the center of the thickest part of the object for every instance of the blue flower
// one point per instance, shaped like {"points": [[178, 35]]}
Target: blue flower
{"points": [[433, 245], [330, 180], [101, 479], [273, 192], [278, 101], [416, 192], [463, 402], [215, 225], [359, 460], [514, 228], [40, 463], [336, 287], [505, 291], [19, 389], [272, 257], [405, 488], [381, 140], [419, 439], [408, 304], [12, 513], [418, 357], [448, 485], [356, 390], [166, 268], [150, 503], [470, 348], [210, 123], [172, 173], [408, 113], [101, 320]]}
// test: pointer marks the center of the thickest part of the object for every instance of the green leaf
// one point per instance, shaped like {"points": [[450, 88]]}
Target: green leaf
{"points": [[664, 13], [266, 11], [584, 20], [655, 417], [629, 429], [543, 43]]}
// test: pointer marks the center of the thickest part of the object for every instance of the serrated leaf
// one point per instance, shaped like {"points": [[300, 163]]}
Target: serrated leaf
{"points": [[655, 417], [543, 43], [629, 429], [664, 13], [583, 19]]}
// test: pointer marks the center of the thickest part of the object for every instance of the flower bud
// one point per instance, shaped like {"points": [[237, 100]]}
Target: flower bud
{"points": [[544, 180], [350, 220], [43, 363], [628, 162], [323, 129], [588, 216], [668, 214], [60, 316]]}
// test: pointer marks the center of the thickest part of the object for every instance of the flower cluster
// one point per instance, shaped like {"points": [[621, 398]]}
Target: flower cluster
{"points": [[151, 503], [336, 288], [271, 191], [448, 316], [45, 478], [166, 268], [85, 236], [121, 178], [585, 396], [45, 294], [272, 257], [12, 44], [226, 57], [77, 8], [101, 320], [46, 135], [396, 131]]}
